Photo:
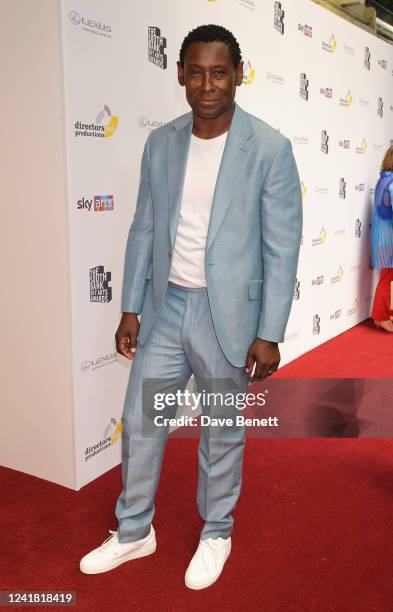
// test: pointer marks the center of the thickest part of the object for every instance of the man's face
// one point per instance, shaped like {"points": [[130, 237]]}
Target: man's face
{"points": [[210, 78]]}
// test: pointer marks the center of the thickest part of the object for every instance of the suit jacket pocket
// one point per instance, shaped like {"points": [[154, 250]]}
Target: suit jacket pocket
{"points": [[255, 289]]}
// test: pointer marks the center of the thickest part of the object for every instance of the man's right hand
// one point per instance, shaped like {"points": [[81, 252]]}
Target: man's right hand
{"points": [[127, 334]]}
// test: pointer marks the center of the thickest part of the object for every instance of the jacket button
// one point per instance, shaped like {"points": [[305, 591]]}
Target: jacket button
{"points": [[170, 252]]}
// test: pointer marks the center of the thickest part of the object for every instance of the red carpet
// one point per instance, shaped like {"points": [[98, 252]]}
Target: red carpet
{"points": [[313, 533], [313, 527], [361, 352]]}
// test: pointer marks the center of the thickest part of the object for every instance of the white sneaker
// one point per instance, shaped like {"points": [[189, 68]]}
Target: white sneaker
{"points": [[207, 563], [112, 553]]}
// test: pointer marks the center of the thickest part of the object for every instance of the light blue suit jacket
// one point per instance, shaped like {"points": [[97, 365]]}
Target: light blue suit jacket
{"points": [[253, 238]]}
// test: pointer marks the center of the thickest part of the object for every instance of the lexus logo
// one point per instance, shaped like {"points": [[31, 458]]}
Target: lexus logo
{"points": [[74, 17]]}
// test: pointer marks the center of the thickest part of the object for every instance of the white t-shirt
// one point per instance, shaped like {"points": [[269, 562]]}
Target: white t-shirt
{"points": [[203, 163]]}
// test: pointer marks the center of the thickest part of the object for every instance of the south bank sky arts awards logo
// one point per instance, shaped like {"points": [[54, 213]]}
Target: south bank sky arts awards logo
{"points": [[157, 44], [321, 239], [342, 188], [367, 58], [347, 101], [380, 108], [104, 126], [100, 291], [324, 142], [303, 87], [279, 15]]}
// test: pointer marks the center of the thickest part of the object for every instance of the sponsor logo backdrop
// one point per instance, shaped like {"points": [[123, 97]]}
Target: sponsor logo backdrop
{"points": [[325, 84]]}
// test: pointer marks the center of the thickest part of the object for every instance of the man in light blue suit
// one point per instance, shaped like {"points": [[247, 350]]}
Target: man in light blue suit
{"points": [[210, 266]]}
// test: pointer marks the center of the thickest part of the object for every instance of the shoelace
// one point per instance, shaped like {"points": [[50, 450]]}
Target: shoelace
{"points": [[213, 546], [112, 538]]}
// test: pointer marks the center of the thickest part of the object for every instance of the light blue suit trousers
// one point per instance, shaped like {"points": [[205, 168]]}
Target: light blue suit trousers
{"points": [[182, 342]]}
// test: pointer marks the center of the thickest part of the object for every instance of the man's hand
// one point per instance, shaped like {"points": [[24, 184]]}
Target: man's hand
{"points": [[127, 334], [266, 355]]}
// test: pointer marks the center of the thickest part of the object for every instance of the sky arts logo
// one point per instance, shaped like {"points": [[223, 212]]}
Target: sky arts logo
{"points": [[318, 281], [104, 126], [380, 108], [362, 148], [342, 188], [367, 58], [156, 46], [249, 4], [90, 25], [102, 203], [337, 277], [99, 285], [327, 92], [331, 45], [321, 238], [248, 73], [316, 325], [354, 309], [324, 142], [344, 144], [279, 15], [296, 290], [304, 84], [305, 29], [347, 101], [336, 314], [359, 187], [364, 102]]}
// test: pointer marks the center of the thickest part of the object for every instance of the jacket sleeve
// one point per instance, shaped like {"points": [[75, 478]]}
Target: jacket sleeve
{"points": [[281, 230], [139, 247]]}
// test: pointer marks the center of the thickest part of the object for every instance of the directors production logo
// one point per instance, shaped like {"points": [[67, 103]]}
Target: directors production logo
{"points": [[248, 73], [90, 25], [104, 126], [156, 46], [321, 238], [331, 45], [99, 285], [110, 436]]}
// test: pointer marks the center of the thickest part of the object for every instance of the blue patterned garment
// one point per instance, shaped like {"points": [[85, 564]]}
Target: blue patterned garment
{"points": [[382, 223]]}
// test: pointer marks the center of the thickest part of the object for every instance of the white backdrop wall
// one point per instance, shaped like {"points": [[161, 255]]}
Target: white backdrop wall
{"points": [[321, 81]]}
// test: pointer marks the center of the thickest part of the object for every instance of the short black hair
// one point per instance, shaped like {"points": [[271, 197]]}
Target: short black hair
{"points": [[212, 33]]}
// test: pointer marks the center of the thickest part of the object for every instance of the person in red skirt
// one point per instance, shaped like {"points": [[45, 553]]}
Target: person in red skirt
{"points": [[382, 245]]}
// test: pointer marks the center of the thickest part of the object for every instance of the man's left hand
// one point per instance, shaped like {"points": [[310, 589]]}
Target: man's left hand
{"points": [[265, 355]]}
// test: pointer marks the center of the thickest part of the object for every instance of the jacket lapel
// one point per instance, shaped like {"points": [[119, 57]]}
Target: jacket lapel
{"points": [[237, 148]]}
